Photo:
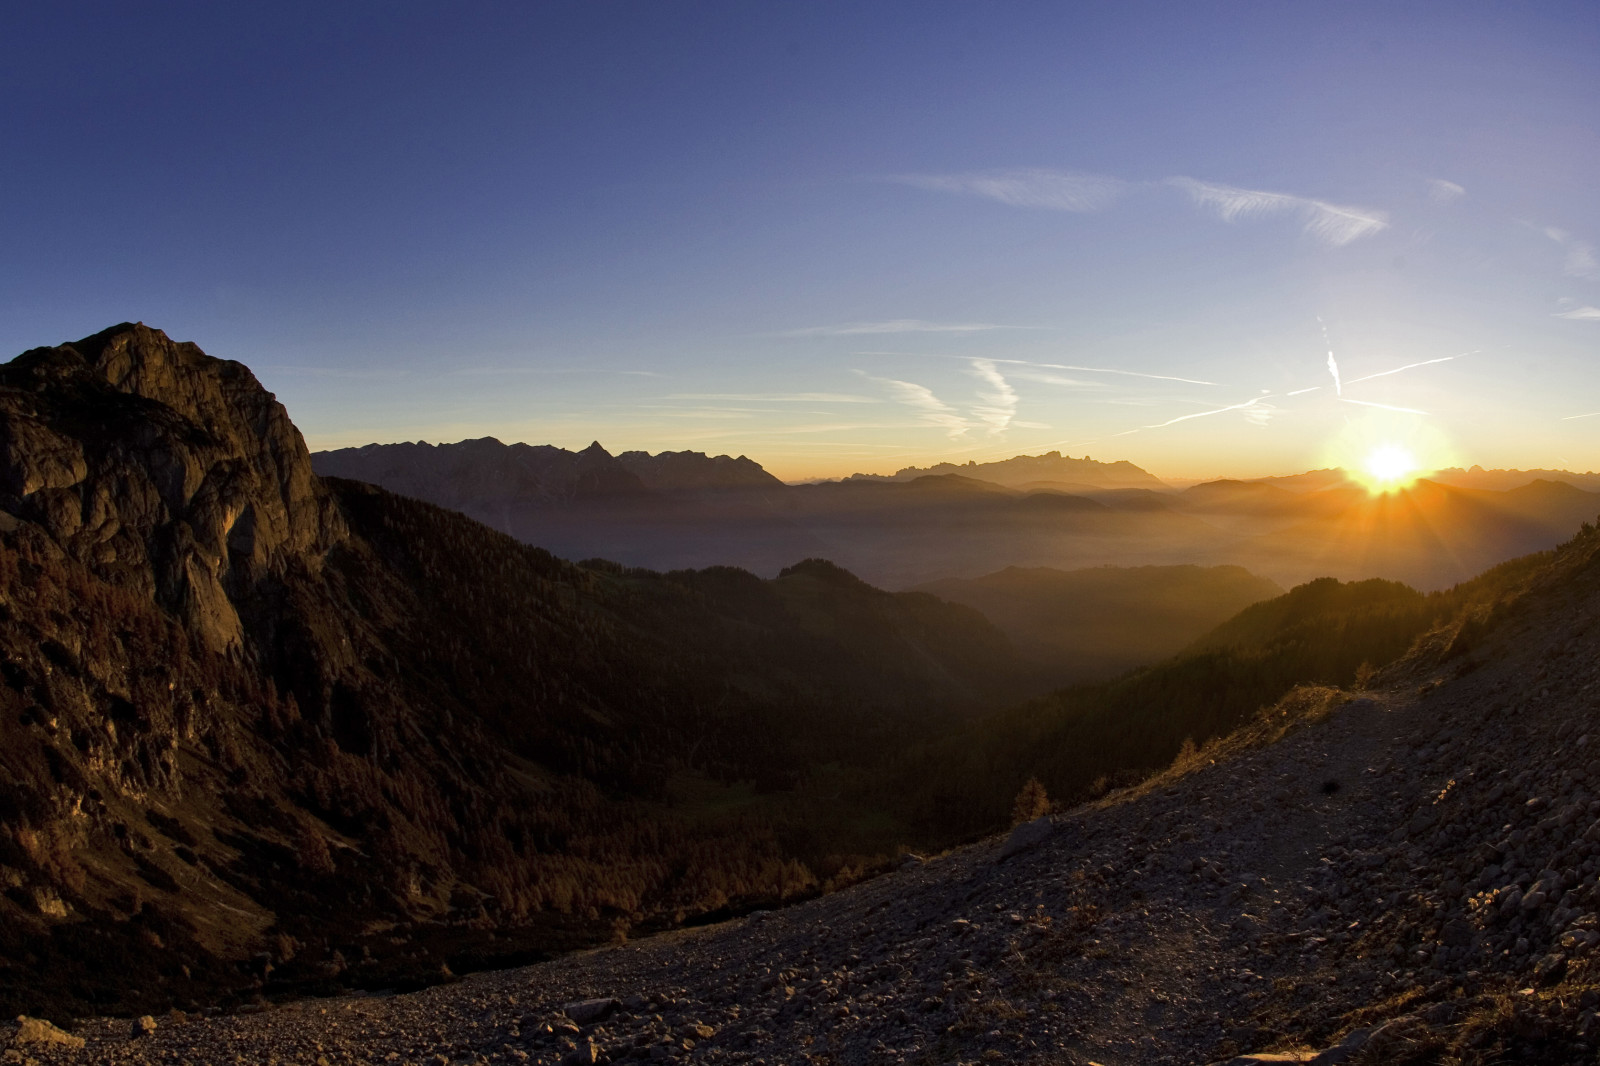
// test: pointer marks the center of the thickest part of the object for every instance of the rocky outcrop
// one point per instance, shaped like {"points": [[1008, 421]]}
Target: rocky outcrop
{"points": [[38, 1034], [153, 463]]}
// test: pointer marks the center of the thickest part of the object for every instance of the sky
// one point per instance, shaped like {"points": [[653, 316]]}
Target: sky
{"points": [[1213, 239]]}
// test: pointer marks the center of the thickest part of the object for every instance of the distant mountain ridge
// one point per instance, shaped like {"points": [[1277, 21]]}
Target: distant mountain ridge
{"points": [[1505, 480], [474, 472], [1474, 478], [689, 471], [1023, 470]]}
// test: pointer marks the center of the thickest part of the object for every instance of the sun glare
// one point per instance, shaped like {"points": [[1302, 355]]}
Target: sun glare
{"points": [[1389, 467], [1385, 452]]}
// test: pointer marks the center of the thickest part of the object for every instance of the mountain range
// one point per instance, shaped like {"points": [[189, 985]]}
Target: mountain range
{"points": [[1028, 471], [962, 522]]}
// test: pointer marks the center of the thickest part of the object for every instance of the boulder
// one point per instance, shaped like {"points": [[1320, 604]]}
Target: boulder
{"points": [[37, 1032], [1344, 1050], [1025, 836], [590, 1011], [584, 1054]]}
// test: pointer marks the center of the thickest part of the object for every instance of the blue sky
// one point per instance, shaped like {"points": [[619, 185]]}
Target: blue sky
{"points": [[836, 237]]}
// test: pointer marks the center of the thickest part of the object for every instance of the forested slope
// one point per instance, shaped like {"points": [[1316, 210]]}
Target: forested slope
{"points": [[244, 710], [1080, 741]]}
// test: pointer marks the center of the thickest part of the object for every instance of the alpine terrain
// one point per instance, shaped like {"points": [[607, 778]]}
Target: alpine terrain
{"points": [[266, 734]]}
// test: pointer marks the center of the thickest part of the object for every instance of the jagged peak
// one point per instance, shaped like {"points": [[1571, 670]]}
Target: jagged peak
{"points": [[217, 453]]}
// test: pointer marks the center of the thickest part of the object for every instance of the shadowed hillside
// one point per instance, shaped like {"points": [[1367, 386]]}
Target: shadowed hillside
{"points": [[245, 709], [1089, 625], [1081, 741]]}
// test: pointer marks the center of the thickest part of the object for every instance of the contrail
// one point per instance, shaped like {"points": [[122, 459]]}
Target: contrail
{"points": [[1203, 414], [1299, 392], [1384, 406], [1591, 414], [1333, 367], [1408, 366]]}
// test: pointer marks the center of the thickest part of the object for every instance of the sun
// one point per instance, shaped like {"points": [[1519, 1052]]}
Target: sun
{"points": [[1388, 468], [1388, 450]]}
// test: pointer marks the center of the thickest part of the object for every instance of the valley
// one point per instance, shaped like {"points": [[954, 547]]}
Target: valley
{"points": [[1404, 874]]}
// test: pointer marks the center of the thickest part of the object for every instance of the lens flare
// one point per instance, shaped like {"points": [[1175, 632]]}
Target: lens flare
{"points": [[1389, 467]]}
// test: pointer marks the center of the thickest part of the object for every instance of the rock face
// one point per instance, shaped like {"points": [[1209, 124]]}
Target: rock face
{"points": [[150, 462]]}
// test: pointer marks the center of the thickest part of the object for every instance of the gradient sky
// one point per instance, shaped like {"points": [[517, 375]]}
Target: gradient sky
{"points": [[836, 237]]}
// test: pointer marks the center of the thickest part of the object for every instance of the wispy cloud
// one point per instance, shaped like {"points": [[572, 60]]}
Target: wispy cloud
{"points": [[703, 412], [1054, 190], [1443, 192], [1581, 314], [1383, 406], [896, 325], [1335, 224], [994, 409], [1066, 190], [1043, 378], [997, 402], [931, 411], [373, 374], [1579, 260], [540, 371], [1260, 414], [1105, 370], [787, 397]]}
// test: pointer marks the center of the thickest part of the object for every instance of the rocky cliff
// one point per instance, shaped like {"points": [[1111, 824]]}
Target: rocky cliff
{"points": [[160, 468]]}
